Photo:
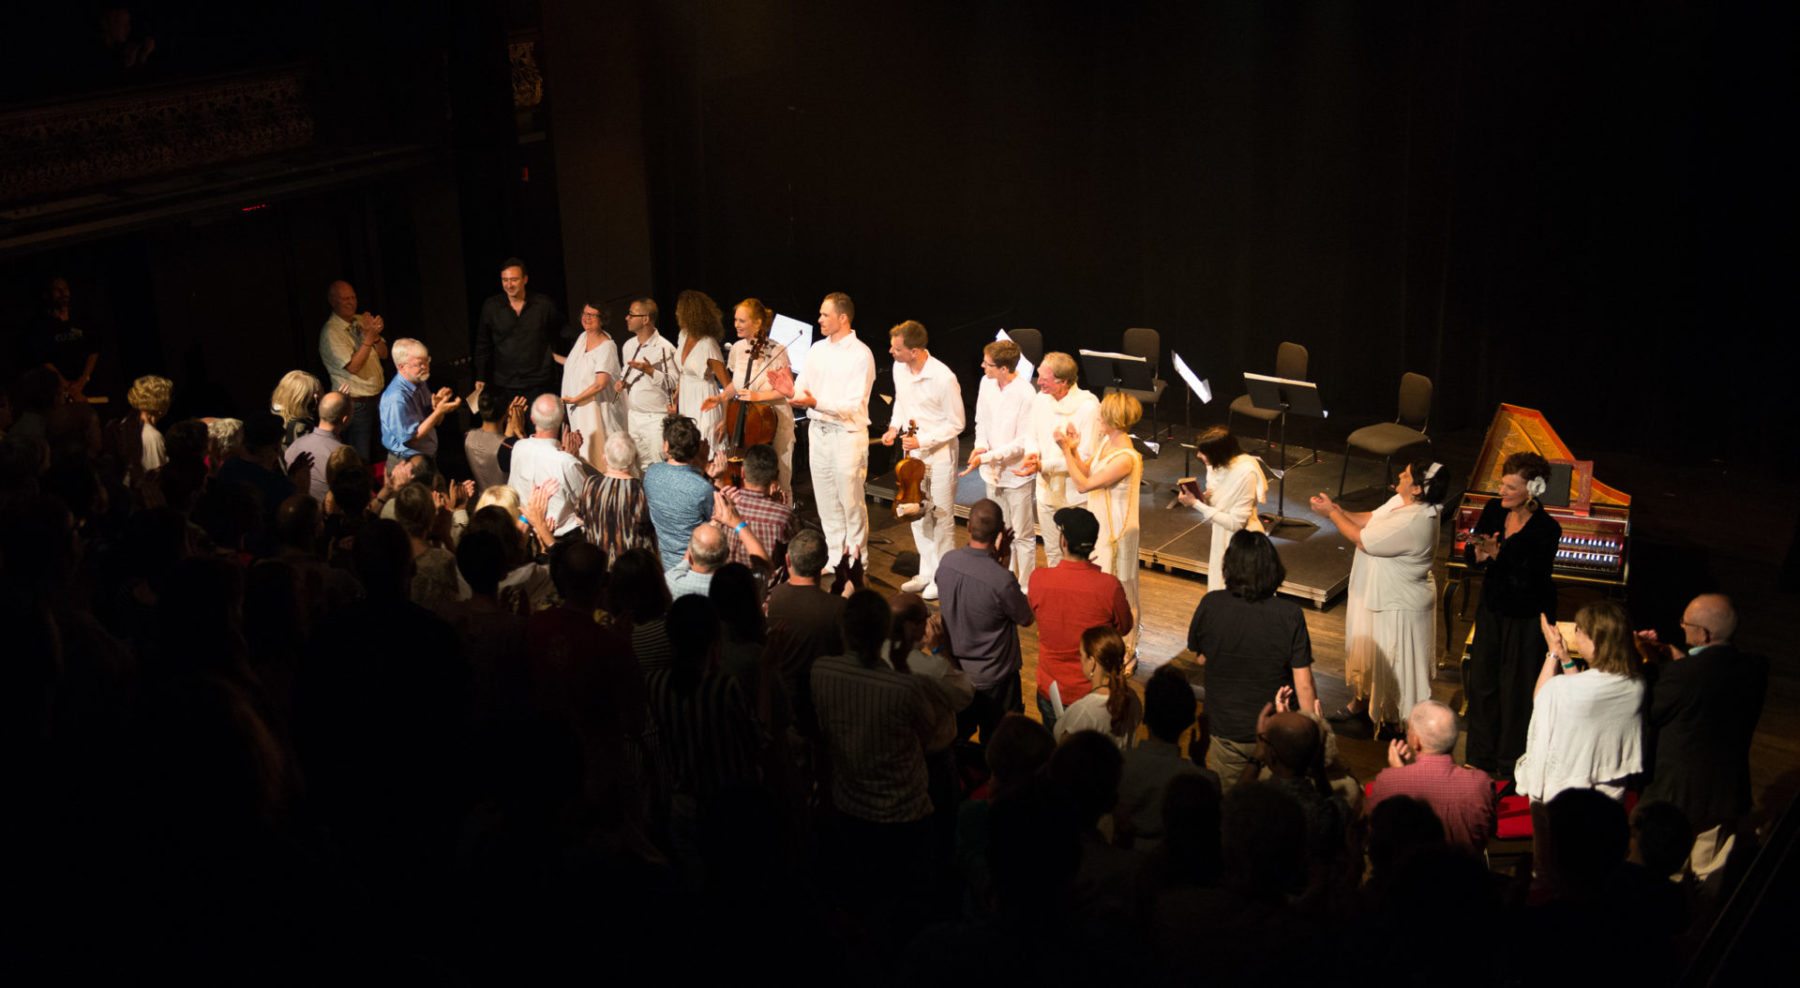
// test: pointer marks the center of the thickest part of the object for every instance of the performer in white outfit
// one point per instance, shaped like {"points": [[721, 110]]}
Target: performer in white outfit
{"points": [[750, 382], [588, 374], [648, 379], [1059, 405], [1002, 422], [1234, 487], [702, 361], [1111, 479], [927, 395], [833, 390], [1389, 623]]}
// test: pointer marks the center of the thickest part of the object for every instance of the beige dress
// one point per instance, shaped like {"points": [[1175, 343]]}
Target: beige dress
{"points": [[1115, 506]]}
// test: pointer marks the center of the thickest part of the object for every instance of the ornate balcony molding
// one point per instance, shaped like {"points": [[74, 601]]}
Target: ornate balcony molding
{"points": [[135, 134]]}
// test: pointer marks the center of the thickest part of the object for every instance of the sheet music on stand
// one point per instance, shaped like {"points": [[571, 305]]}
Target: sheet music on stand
{"points": [[1199, 386]]}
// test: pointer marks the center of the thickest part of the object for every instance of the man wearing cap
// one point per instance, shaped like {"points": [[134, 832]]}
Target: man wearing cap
{"points": [[1068, 599]]}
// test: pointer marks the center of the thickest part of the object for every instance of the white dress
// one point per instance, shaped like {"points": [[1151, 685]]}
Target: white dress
{"points": [[748, 378], [1115, 506], [1236, 489], [698, 383], [602, 415], [1390, 617]]}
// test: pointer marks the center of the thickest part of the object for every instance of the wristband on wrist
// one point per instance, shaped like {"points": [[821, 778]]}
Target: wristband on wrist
{"points": [[741, 526]]}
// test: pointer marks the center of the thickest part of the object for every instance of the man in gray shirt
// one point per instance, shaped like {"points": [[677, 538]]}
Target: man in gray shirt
{"points": [[983, 610], [335, 411]]}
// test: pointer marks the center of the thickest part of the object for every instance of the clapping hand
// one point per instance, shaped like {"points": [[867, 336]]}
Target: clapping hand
{"points": [[1322, 505], [571, 442], [974, 460], [1029, 467], [445, 401], [371, 327], [782, 380], [515, 419], [1553, 637], [299, 471], [1398, 753]]}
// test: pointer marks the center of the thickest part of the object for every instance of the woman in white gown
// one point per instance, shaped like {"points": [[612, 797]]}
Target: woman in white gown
{"points": [[1111, 481], [702, 360], [1390, 619], [1235, 485], [750, 382], [588, 372]]}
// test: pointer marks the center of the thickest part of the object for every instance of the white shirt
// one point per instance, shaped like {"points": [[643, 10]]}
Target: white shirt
{"points": [[949, 690], [1398, 545], [1002, 420], [1237, 488], [933, 399], [1585, 733], [1078, 408], [537, 460], [650, 392], [839, 373], [337, 344]]}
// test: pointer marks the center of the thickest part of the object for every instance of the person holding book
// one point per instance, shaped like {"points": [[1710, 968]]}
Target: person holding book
{"points": [[1235, 485]]}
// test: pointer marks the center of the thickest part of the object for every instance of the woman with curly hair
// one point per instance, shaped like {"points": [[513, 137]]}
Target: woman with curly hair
{"points": [[149, 397], [703, 371]]}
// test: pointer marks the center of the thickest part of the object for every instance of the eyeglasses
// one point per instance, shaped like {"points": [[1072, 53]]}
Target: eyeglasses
{"points": [[637, 315]]}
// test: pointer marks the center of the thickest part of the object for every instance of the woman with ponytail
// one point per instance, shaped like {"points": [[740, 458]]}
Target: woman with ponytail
{"points": [[1112, 708], [1513, 546]]}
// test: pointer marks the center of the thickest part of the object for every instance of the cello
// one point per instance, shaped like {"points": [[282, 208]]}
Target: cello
{"points": [[748, 423]]}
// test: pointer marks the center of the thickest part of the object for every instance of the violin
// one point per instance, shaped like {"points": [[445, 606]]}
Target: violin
{"points": [[909, 479], [748, 423]]}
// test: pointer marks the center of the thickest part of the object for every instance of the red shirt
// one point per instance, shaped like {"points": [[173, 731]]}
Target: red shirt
{"points": [[1463, 798], [1068, 599]]}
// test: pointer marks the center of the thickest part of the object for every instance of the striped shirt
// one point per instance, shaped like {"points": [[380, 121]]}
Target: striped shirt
{"points": [[876, 724], [709, 736]]}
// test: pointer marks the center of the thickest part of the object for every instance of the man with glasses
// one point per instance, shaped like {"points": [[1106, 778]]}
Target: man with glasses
{"points": [[1059, 404], [1002, 419], [517, 338], [651, 372], [410, 412]]}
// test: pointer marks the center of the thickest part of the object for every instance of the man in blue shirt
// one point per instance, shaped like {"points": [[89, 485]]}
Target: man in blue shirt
{"points": [[410, 413], [680, 495]]}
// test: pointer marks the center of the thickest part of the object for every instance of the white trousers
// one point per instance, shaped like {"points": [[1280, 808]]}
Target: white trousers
{"points": [[1020, 509], [646, 433], [934, 531], [840, 462], [1054, 491]]}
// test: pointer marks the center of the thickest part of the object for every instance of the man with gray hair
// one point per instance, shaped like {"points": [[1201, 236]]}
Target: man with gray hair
{"points": [[410, 412], [1422, 767], [542, 458], [1705, 701], [706, 552]]}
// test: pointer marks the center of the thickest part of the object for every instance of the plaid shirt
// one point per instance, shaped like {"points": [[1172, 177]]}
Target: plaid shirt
{"points": [[772, 522], [1463, 798]]}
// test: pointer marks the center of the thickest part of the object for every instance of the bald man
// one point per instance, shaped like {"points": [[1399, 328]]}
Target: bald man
{"points": [[541, 459], [1423, 767], [335, 412], [352, 349], [1705, 701]]}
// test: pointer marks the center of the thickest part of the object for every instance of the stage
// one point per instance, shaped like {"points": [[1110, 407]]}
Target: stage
{"points": [[1317, 557]]}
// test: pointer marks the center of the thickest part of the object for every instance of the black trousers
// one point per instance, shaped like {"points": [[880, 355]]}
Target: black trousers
{"points": [[1504, 663], [991, 703]]}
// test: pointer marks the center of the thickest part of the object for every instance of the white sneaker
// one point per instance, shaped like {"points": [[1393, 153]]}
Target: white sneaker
{"points": [[915, 585], [930, 592]]}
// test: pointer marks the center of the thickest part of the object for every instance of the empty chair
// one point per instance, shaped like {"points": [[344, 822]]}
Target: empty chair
{"points": [[1147, 343], [1031, 344], [1388, 438], [1290, 362]]}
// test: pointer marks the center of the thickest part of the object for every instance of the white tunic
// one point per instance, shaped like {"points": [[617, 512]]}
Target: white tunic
{"points": [[839, 374], [1389, 617], [1002, 422], [602, 414], [1585, 733], [1236, 488], [698, 383]]}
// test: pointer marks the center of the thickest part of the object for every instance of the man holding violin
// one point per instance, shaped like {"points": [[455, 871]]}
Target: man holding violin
{"points": [[648, 381], [928, 405]]}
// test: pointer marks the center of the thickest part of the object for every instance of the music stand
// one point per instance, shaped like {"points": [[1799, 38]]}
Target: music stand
{"points": [[1119, 371], [1280, 394]]}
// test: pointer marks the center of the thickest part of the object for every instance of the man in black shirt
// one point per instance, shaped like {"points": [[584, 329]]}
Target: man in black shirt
{"points": [[517, 338], [59, 344]]}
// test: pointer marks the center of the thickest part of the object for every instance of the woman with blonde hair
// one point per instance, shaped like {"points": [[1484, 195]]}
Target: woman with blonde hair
{"points": [[149, 397], [1111, 480], [702, 361], [296, 400]]}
